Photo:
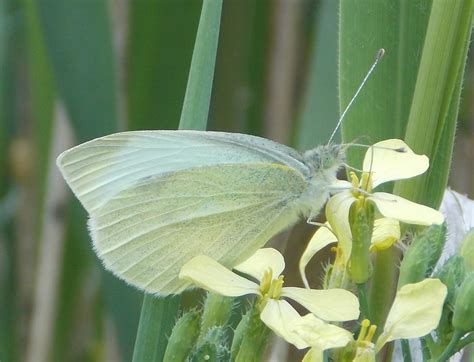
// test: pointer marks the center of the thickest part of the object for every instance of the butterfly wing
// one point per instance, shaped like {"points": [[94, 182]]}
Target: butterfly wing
{"points": [[145, 233], [99, 169], [158, 198]]}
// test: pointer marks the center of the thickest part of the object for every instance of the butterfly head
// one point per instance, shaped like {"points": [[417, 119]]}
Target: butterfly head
{"points": [[325, 160]]}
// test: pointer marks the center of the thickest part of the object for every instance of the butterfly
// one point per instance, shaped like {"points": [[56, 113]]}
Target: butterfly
{"points": [[156, 199]]}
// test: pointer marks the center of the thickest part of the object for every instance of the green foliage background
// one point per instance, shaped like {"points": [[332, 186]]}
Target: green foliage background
{"points": [[73, 71]]}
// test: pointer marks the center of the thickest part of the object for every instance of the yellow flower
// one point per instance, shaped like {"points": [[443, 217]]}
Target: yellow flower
{"points": [[320, 336], [386, 232], [266, 266], [388, 160], [415, 312]]}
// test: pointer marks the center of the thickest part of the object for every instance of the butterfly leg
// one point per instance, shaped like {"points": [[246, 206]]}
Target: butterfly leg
{"points": [[312, 222]]}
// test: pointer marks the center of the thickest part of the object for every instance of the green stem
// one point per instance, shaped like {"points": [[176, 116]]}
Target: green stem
{"points": [[382, 286], [464, 342], [364, 305], [156, 322], [406, 351], [198, 91], [426, 346], [451, 348]]}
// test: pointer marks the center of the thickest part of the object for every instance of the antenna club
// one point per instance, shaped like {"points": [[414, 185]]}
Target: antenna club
{"points": [[380, 54]]}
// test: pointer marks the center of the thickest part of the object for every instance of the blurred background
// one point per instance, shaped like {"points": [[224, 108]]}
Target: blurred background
{"points": [[79, 69]]}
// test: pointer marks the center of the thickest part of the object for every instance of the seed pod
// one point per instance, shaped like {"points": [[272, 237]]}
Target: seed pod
{"points": [[422, 255]]}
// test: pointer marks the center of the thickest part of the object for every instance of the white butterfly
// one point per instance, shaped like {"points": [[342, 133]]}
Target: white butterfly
{"points": [[156, 199]]}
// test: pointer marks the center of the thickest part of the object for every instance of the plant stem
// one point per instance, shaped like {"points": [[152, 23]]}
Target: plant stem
{"points": [[464, 342], [406, 350], [156, 322], [451, 348], [426, 344], [364, 305], [382, 287]]}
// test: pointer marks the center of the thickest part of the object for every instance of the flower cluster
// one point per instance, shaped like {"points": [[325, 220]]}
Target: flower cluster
{"points": [[355, 215]]}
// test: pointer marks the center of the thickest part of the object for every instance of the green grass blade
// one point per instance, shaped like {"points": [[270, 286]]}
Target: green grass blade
{"points": [[9, 313], [239, 85], [382, 109], [434, 112], [80, 47], [319, 111], [412, 95], [158, 60], [42, 96], [198, 91], [159, 314], [79, 43]]}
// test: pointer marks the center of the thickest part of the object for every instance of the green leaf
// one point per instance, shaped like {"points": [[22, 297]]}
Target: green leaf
{"points": [[413, 94], [42, 93], [433, 114], [79, 43], [158, 59], [198, 91], [381, 110], [319, 108], [238, 99]]}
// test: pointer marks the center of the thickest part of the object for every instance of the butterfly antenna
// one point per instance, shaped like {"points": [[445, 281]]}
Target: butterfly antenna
{"points": [[379, 56]]}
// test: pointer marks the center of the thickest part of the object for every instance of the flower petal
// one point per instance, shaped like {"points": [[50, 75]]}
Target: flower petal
{"points": [[321, 335], [339, 186], [415, 312], [279, 315], [396, 207], [365, 353], [208, 274], [330, 304], [337, 214], [313, 355], [262, 260], [321, 238], [386, 233], [387, 165]]}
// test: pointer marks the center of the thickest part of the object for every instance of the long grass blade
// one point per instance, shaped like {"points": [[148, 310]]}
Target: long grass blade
{"points": [[159, 314]]}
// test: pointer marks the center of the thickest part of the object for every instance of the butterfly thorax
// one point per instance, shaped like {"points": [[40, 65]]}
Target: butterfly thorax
{"points": [[324, 161]]}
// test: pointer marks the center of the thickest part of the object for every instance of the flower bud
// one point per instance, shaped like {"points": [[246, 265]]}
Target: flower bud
{"points": [[467, 250], [463, 318], [422, 255], [212, 347], [217, 310], [183, 337], [451, 274], [250, 337]]}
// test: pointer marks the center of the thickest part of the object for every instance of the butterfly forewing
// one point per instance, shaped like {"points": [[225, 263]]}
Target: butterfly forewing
{"points": [[99, 169]]}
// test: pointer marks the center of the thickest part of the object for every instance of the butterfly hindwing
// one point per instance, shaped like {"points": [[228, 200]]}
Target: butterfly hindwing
{"points": [[145, 233]]}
